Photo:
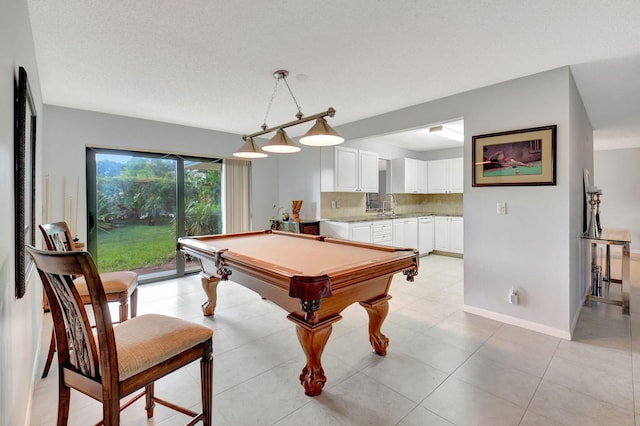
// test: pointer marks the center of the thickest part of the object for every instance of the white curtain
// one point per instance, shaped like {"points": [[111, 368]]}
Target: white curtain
{"points": [[237, 178]]}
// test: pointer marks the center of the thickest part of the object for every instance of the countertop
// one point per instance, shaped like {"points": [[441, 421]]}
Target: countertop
{"points": [[372, 217]]}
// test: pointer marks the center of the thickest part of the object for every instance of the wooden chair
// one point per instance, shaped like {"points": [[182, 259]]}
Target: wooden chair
{"points": [[114, 362], [120, 286]]}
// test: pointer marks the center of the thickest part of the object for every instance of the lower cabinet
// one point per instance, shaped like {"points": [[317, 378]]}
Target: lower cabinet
{"points": [[425, 235], [405, 232], [354, 231], [449, 234], [398, 232], [361, 231], [383, 232]]}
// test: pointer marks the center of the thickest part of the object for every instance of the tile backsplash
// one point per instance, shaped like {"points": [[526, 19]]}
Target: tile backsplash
{"points": [[335, 205]]}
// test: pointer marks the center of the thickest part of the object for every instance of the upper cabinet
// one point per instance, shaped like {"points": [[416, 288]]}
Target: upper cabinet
{"points": [[368, 175], [409, 176], [446, 176], [345, 169]]}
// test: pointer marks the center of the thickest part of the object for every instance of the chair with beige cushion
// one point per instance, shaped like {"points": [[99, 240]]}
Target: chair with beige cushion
{"points": [[119, 286], [110, 363]]}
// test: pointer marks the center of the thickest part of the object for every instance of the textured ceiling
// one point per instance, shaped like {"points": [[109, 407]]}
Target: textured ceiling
{"points": [[209, 63]]}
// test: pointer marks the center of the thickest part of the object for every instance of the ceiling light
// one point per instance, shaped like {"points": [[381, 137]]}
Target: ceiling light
{"points": [[281, 143], [249, 150], [321, 134], [447, 133]]}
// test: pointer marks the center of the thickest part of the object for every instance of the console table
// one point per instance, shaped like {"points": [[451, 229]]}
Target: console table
{"points": [[609, 237]]}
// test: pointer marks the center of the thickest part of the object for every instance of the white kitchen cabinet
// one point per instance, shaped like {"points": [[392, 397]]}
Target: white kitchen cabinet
{"points": [[446, 176], [405, 232], [361, 231], [372, 231], [368, 175], [425, 235], [449, 234], [345, 169], [354, 231], [383, 232], [409, 176], [456, 175], [457, 235]]}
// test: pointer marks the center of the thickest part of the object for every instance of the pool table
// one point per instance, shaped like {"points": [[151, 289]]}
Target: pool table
{"points": [[313, 278]]}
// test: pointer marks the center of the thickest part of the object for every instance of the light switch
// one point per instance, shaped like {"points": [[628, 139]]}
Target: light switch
{"points": [[502, 208]]}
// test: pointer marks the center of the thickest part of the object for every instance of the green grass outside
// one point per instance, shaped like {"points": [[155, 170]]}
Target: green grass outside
{"points": [[136, 247]]}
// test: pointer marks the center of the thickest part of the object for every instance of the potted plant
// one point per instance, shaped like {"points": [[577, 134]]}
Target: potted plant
{"points": [[274, 222]]}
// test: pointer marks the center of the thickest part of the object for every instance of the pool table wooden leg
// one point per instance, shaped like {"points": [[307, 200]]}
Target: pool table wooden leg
{"points": [[210, 286], [377, 311], [313, 339]]}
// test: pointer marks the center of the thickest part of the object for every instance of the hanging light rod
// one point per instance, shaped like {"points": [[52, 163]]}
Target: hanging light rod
{"points": [[320, 134], [328, 113]]}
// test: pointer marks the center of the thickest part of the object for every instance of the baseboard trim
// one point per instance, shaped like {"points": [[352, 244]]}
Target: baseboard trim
{"points": [[448, 253], [507, 319]]}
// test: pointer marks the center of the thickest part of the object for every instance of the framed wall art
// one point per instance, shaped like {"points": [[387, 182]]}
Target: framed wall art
{"points": [[24, 178], [518, 157]]}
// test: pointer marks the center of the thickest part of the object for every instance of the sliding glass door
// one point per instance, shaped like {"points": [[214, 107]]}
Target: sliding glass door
{"points": [[202, 201], [139, 204]]}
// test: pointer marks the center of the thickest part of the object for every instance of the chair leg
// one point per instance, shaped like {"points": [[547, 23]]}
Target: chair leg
{"points": [[124, 311], [64, 397], [52, 349], [206, 377], [134, 303], [150, 405], [110, 412]]}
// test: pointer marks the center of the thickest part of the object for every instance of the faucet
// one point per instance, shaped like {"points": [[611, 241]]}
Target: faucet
{"points": [[384, 204]]}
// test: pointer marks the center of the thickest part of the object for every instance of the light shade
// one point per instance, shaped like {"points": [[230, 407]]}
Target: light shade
{"points": [[249, 150], [321, 134], [447, 133], [281, 143]]}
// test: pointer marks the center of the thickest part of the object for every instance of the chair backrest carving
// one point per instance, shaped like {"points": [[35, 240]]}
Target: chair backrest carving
{"points": [[77, 346], [57, 236], [73, 313]]}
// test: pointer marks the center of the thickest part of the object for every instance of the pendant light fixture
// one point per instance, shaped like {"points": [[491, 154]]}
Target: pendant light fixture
{"points": [[249, 150], [320, 134], [281, 143]]}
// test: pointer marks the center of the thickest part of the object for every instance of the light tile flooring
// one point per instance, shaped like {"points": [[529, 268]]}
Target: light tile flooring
{"points": [[443, 367]]}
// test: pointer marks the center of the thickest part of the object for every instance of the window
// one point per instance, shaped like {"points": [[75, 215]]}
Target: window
{"points": [[139, 204]]}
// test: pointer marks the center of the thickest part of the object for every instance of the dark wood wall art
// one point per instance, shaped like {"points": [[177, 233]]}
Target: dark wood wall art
{"points": [[24, 178]]}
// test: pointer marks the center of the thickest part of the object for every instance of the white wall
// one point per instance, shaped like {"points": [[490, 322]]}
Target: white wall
{"points": [[580, 157], [19, 318], [529, 248], [265, 184], [69, 131], [299, 175], [617, 173]]}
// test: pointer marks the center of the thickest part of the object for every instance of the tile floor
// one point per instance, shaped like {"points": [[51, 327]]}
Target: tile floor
{"points": [[444, 366]]}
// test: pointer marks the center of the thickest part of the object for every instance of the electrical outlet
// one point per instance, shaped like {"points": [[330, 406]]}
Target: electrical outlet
{"points": [[513, 296], [333, 204], [502, 208], [338, 204]]}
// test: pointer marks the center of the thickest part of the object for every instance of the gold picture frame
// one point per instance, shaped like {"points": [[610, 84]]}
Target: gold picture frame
{"points": [[517, 158]]}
